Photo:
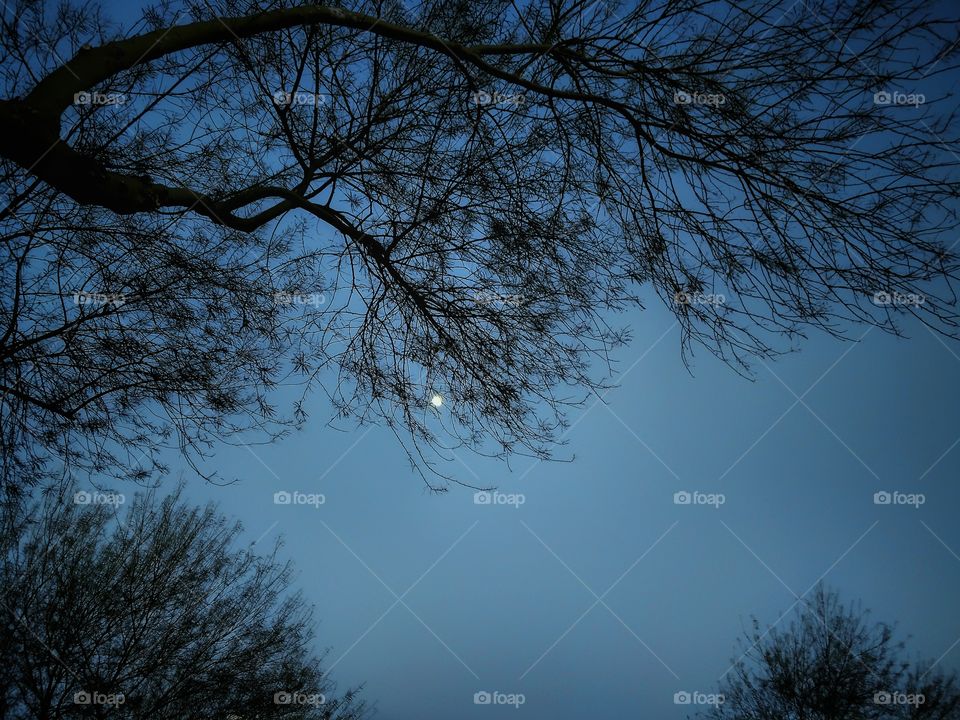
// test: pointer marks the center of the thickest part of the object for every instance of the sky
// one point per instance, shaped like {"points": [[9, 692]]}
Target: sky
{"points": [[586, 587], [595, 583]]}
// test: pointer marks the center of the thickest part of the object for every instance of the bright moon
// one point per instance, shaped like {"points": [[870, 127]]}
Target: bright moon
{"points": [[436, 400]]}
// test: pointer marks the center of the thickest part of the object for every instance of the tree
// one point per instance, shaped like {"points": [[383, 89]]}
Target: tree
{"points": [[833, 663], [452, 198], [151, 613]]}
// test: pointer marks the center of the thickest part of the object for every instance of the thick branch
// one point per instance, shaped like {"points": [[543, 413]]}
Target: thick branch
{"points": [[29, 128]]}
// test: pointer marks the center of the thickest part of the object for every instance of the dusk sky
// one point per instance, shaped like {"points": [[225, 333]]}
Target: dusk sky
{"points": [[599, 592], [588, 585]]}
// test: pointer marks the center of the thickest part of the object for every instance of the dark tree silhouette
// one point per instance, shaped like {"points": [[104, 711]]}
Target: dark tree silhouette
{"points": [[389, 202], [833, 663], [154, 612]]}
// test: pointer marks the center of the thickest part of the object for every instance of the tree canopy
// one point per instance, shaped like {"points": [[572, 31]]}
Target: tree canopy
{"points": [[152, 610], [833, 663], [384, 202]]}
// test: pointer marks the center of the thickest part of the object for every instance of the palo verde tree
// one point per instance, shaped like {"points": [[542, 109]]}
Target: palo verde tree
{"points": [[833, 663], [386, 201], [152, 611]]}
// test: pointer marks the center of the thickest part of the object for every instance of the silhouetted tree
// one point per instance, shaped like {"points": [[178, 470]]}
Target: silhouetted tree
{"points": [[833, 663], [391, 202], [154, 612]]}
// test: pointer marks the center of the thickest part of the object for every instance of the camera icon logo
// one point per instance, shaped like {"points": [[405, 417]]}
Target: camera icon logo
{"points": [[82, 698], [682, 498], [882, 498], [482, 698], [681, 698], [682, 97], [882, 698], [882, 98], [482, 498], [282, 698], [282, 498], [82, 497]]}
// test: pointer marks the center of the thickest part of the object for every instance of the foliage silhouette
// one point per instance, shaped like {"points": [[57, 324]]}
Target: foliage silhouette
{"points": [[833, 663], [152, 611], [384, 202]]}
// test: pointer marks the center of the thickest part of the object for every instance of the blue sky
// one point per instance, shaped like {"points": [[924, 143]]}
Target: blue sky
{"points": [[502, 594], [599, 593]]}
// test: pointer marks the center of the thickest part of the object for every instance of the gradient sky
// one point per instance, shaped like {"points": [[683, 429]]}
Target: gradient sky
{"points": [[500, 592], [503, 598]]}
